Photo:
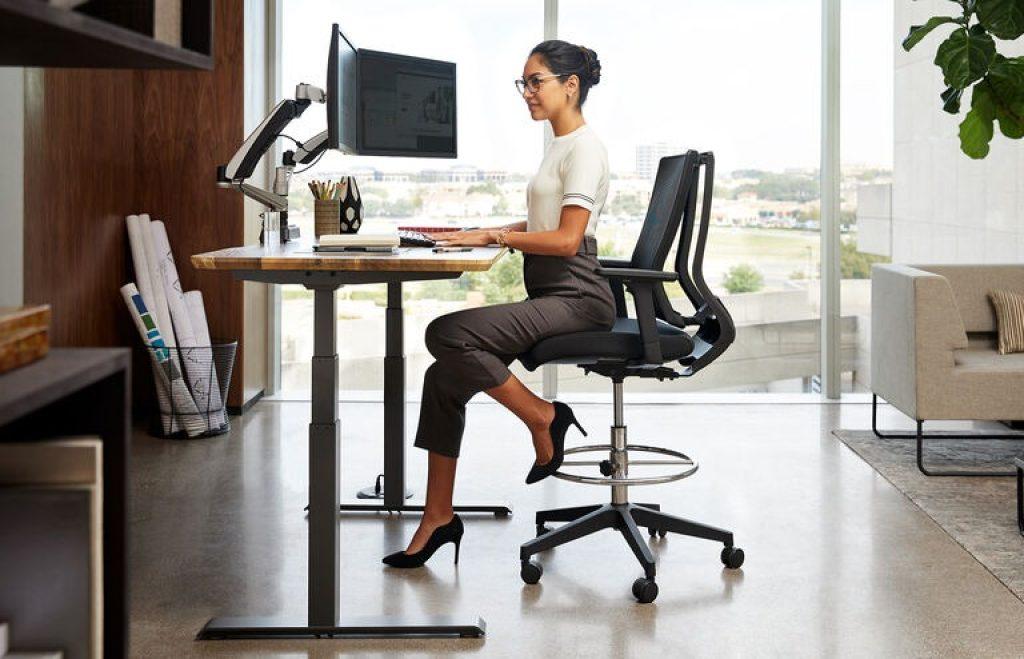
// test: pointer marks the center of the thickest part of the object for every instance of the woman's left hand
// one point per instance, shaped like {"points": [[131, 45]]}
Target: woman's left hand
{"points": [[475, 238]]}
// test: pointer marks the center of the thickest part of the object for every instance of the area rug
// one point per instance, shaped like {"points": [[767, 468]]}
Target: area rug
{"points": [[979, 513]]}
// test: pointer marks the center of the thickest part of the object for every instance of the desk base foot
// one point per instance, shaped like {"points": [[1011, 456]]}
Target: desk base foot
{"points": [[373, 493], [498, 510], [361, 627]]}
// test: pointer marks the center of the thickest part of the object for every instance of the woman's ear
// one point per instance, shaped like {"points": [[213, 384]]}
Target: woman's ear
{"points": [[572, 85]]}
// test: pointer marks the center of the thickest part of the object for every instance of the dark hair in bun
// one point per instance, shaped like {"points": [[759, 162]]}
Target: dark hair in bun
{"points": [[566, 58]]}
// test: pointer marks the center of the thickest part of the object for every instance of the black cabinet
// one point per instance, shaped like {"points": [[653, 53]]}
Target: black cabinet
{"points": [[83, 391]]}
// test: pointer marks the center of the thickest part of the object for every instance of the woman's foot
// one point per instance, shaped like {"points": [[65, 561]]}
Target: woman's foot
{"points": [[560, 422], [438, 537], [541, 431], [428, 524]]}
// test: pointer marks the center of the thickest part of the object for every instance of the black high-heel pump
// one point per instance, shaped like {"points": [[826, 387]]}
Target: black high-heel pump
{"points": [[450, 532], [563, 417]]}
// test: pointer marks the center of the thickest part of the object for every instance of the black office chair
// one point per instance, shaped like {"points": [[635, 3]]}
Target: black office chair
{"points": [[641, 347]]}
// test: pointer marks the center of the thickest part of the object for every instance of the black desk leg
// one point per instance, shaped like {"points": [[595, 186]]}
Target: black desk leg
{"points": [[323, 616], [394, 425], [394, 400]]}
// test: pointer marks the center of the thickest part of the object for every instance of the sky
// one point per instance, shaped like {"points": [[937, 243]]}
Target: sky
{"points": [[737, 77]]}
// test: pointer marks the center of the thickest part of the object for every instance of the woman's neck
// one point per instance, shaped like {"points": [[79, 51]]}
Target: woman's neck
{"points": [[567, 124]]}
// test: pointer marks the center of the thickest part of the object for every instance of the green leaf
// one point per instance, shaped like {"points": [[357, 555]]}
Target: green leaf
{"points": [[951, 100], [976, 128], [1004, 86], [964, 57], [1004, 19], [918, 32], [1006, 75]]}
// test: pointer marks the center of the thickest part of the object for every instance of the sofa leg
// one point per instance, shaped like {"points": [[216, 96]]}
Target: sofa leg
{"points": [[919, 436]]}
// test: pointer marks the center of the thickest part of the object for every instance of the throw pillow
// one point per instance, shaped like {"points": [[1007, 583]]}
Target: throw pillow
{"points": [[1010, 320]]}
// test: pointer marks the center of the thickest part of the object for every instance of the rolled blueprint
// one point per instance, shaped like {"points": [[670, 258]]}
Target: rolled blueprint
{"points": [[166, 369], [158, 305], [142, 278], [197, 369], [194, 302]]}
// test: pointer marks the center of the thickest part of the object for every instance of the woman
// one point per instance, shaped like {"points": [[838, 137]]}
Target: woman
{"points": [[473, 347]]}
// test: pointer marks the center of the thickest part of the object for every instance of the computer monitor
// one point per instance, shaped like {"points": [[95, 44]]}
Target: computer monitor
{"points": [[342, 93], [406, 106], [386, 104]]}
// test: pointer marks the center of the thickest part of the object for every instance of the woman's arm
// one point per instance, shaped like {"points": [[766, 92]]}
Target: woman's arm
{"points": [[563, 241], [476, 235]]}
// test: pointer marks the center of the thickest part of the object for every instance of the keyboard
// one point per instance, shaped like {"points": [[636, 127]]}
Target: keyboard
{"points": [[415, 239]]}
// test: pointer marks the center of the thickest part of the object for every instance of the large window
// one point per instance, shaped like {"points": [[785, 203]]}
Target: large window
{"points": [[740, 78], [499, 148]]}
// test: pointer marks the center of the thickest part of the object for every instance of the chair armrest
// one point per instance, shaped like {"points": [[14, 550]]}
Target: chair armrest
{"points": [[616, 284], [637, 274], [647, 319], [616, 271], [641, 284], [614, 263]]}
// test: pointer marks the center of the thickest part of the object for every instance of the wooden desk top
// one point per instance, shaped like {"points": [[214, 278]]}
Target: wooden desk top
{"points": [[300, 256]]}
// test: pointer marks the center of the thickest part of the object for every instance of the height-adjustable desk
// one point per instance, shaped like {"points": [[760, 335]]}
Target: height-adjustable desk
{"points": [[297, 263]]}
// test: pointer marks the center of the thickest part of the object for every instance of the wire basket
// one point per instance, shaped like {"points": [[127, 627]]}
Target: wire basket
{"points": [[192, 389]]}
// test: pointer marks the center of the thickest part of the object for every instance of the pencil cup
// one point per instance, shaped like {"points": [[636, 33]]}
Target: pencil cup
{"points": [[326, 216], [351, 210]]}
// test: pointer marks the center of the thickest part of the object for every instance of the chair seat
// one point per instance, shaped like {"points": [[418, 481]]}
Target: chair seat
{"points": [[621, 343]]}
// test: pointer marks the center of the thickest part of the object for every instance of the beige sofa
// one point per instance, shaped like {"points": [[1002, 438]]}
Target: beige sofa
{"points": [[933, 347]]}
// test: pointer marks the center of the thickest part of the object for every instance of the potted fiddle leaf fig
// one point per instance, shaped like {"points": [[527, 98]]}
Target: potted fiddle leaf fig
{"points": [[969, 60]]}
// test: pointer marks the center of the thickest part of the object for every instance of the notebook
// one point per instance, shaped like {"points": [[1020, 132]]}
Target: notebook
{"points": [[357, 242]]}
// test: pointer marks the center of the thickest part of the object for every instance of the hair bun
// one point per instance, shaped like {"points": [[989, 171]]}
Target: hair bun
{"points": [[592, 65]]}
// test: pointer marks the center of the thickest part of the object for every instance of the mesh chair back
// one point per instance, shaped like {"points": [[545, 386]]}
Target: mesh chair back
{"points": [[675, 178]]}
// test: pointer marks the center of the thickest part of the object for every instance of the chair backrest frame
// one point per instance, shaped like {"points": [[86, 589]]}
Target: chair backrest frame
{"points": [[715, 327]]}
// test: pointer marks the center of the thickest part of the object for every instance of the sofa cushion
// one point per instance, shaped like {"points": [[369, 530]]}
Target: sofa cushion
{"points": [[1009, 307], [971, 284], [989, 361]]}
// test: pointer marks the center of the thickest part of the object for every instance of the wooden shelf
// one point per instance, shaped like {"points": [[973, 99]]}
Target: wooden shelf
{"points": [[35, 34]]}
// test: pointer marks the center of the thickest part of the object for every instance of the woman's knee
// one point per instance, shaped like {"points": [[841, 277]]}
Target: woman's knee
{"points": [[442, 335]]}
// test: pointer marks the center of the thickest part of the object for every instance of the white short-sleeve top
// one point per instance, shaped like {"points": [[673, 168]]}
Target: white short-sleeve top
{"points": [[574, 172]]}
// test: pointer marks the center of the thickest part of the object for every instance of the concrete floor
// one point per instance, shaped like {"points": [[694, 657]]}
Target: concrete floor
{"points": [[838, 562]]}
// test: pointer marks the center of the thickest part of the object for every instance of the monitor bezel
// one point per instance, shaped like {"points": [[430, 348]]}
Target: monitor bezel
{"points": [[334, 129]]}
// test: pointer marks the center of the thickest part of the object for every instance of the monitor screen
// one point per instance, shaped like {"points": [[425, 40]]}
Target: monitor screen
{"points": [[342, 93], [406, 106]]}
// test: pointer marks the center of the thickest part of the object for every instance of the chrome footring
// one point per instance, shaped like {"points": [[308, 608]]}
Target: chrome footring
{"points": [[682, 459]]}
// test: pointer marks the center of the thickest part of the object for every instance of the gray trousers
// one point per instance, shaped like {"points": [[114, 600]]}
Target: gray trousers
{"points": [[472, 348]]}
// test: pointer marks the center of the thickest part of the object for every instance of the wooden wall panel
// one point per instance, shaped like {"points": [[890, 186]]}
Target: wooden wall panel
{"points": [[79, 185], [100, 145], [187, 123]]}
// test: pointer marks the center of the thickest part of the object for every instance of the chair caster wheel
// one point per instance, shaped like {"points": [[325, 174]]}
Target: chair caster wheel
{"points": [[645, 590], [661, 533], [530, 572], [542, 529], [732, 557]]}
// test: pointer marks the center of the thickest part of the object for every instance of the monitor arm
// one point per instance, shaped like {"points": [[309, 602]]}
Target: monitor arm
{"points": [[243, 164]]}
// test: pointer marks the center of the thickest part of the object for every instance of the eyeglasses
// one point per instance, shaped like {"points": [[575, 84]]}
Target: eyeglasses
{"points": [[533, 84]]}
